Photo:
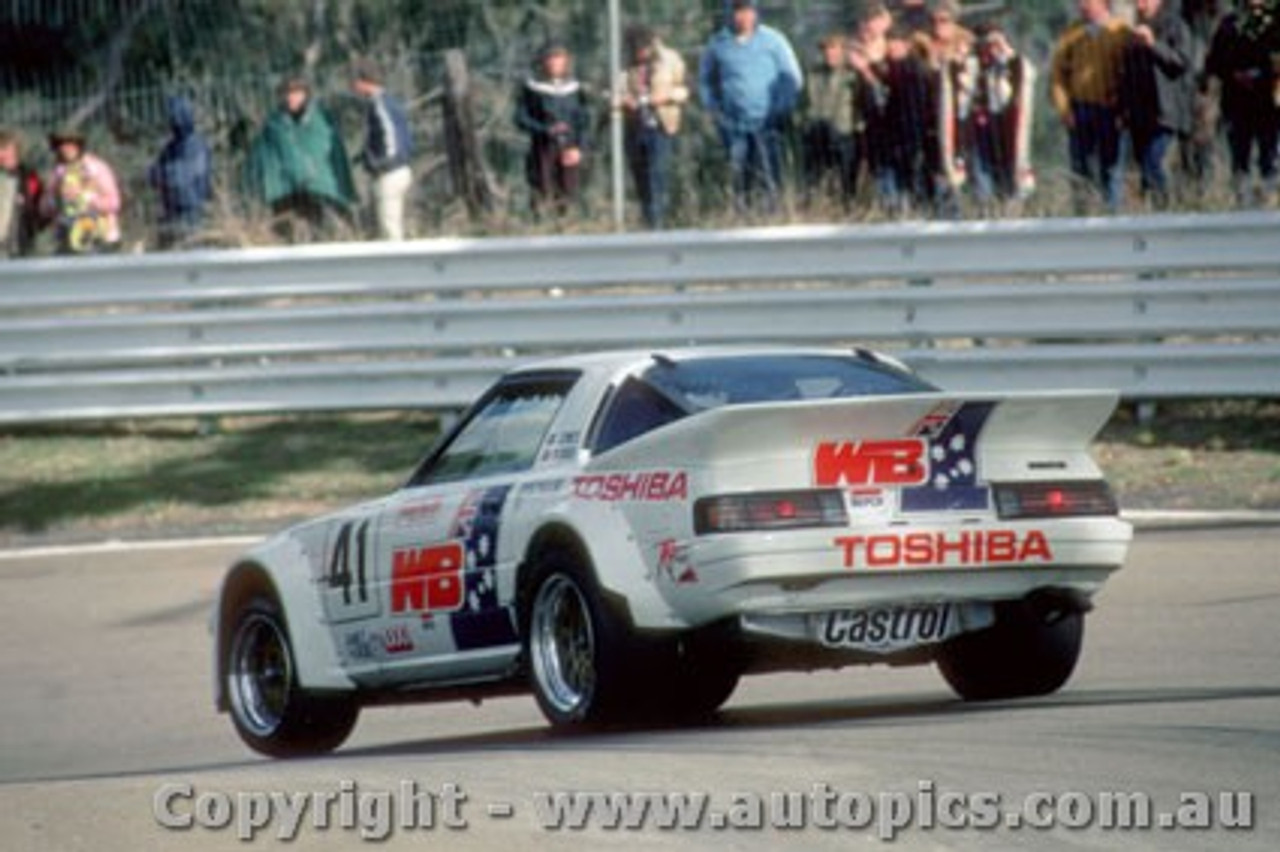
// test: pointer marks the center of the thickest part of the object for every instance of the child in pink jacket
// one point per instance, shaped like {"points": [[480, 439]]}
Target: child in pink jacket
{"points": [[83, 198]]}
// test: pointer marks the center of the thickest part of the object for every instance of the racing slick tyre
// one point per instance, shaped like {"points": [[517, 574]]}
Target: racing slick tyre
{"points": [[1026, 652], [271, 713], [579, 648], [698, 692], [703, 671]]}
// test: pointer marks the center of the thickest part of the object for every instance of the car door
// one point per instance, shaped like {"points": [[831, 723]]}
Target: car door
{"points": [[445, 599]]}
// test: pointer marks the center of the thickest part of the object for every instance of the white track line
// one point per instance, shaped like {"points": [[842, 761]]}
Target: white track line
{"points": [[116, 546]]}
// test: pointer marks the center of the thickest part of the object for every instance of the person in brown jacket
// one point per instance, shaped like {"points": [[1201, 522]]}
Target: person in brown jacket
{"points": [[1086, 80], [653, 99]]}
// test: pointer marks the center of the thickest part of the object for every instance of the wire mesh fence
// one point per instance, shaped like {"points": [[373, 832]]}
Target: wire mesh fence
{"points": [[109, 66]]}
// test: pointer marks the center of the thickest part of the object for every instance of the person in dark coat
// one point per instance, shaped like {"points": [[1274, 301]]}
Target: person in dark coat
{"points": [[1000, 120], [894, 102], [552, 108], [182, 176], [20, 189], [1157, 85], [1240, 57], [1196, 149]]}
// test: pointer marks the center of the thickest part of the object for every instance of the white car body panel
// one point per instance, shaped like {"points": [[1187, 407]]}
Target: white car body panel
{"points": [[435, 602]]}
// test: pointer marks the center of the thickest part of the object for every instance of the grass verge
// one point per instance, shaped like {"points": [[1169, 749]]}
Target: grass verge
{"points": [[168, 478]]}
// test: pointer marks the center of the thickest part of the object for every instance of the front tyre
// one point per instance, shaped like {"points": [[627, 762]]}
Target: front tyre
{"points": [[1028, 651], [271, 713], [577, 647]]}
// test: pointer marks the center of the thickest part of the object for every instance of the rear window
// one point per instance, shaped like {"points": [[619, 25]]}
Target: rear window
{"points": [[670, 390]]}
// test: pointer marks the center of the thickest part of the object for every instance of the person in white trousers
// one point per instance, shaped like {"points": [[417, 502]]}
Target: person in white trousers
{"points": [[388, 149]]}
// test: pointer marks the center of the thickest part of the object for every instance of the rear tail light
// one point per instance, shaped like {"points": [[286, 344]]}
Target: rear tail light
{"points": [[1055, 500], [778, 510]]}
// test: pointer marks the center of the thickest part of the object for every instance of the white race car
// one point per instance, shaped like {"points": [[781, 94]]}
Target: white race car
{"points": [[627, 534]]}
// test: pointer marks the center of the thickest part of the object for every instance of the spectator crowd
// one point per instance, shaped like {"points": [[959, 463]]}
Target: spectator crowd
{"points": [[915, 111]]}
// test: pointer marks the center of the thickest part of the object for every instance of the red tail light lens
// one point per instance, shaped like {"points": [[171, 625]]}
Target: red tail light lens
{"points": [[781, 510], [1055, 500]]}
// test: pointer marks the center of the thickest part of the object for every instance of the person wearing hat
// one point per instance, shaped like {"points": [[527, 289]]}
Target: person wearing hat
{"points": [[750, 81], [20, 190], [388, 148], [552, 109], [83, 199], [653, 98], [299, 167]]}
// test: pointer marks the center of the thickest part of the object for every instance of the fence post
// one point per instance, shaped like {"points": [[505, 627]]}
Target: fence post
{"points": [[462, 144], [615, 116]]}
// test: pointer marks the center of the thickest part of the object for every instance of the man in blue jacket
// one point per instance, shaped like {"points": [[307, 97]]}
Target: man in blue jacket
{"points": [[182, 176], [749, 81], [388, 148]]}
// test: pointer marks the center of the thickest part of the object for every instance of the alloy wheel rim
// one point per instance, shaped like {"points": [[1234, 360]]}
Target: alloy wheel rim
{"points": [[261, 675], [563, 646]]}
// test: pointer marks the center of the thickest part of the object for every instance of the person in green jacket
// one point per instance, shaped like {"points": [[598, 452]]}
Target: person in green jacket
{"points": [[299, 167], [831, 124]]}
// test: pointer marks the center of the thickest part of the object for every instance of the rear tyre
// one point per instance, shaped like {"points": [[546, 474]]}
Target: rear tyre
{"points": [[701, 690], [578, 647], [1026, 652], [696, 676], [271, 713]]}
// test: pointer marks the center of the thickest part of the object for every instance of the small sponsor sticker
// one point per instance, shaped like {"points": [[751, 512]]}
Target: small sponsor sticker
{"points": [[418, 513], [673, 563]]}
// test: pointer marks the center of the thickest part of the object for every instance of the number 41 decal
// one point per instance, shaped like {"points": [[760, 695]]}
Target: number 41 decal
{"points": [[348, 573]]}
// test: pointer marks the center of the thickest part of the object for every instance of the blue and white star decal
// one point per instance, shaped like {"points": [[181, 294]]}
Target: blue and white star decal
{"points": [[481, 623], [951, 433]]}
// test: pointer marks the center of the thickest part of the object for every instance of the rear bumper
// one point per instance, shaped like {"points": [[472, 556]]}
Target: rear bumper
{"points": [[810, 571]]}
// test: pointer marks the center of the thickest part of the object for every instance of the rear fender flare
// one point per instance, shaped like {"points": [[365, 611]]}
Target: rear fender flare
{"points": [[612, 556]]}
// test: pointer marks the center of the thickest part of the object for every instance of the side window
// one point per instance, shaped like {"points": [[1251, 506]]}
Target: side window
{"points": [[501, 436], [634, 410]]}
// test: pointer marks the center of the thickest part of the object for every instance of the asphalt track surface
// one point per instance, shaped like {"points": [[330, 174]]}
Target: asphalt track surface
{"points": [[104, 660]]}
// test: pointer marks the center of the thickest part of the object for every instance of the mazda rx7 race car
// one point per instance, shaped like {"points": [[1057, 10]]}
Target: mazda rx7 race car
{"points": [[626, 535]]}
